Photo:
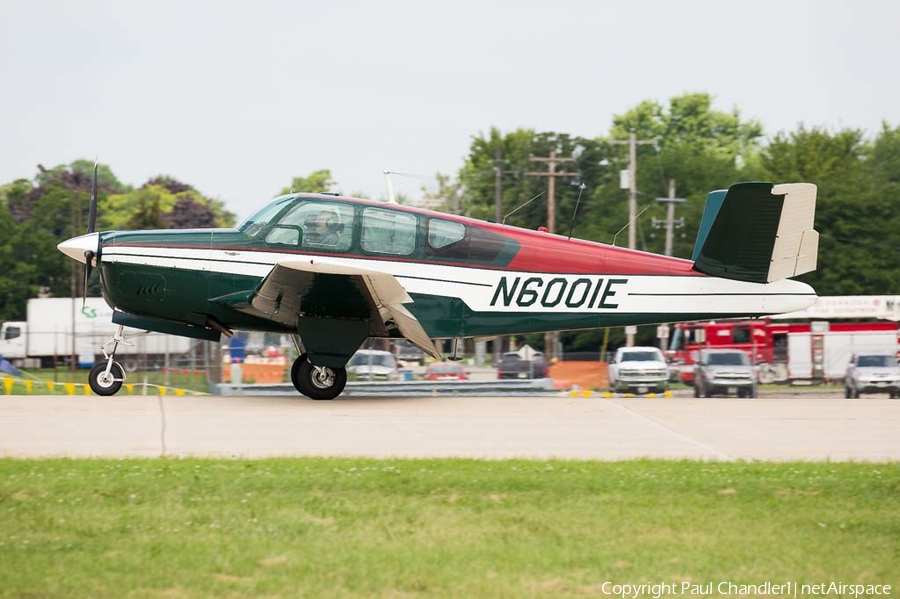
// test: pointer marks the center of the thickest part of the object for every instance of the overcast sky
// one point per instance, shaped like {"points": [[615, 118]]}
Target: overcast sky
{"points": [[237, 98]]}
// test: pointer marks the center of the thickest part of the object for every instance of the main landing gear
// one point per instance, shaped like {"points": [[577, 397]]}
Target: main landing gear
{"points": [[317, 382], [107, 378]]}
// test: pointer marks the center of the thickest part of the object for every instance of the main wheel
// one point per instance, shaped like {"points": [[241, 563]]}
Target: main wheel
{"points": [[106, 384], [318, 382]]}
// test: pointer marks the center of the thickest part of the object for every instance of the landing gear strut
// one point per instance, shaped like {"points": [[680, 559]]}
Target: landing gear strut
{"points": [[317, 382], [107, 379]]}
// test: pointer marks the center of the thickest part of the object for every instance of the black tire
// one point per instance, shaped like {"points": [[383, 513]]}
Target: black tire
{"points": [[295, 371], [318, 383], [103, 385], [848, 394], [696, 390]]}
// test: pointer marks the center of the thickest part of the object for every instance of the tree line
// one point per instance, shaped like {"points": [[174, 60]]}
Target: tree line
{"points": [[701, 149], [36, 214]]}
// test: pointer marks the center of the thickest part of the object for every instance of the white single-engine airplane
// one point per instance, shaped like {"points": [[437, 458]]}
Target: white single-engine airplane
{"points": [[333, 271]]}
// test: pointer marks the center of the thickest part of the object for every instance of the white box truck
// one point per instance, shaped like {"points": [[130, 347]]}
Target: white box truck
{"points": [[46, 336]]}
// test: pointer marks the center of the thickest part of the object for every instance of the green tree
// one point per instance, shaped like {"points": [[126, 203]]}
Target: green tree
{"points": [[14, 288], [148, 210], [316, 182], [702, 149], [856, 209]]}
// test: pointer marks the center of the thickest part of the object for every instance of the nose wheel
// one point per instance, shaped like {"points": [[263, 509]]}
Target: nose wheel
{"points": [[106, 381], [317, 382]]}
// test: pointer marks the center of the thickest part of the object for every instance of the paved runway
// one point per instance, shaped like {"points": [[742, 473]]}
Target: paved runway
{"points": [[795, 428]]}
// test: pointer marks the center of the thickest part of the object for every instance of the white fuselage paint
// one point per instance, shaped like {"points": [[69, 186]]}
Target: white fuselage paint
{"points": [[485, 290]]}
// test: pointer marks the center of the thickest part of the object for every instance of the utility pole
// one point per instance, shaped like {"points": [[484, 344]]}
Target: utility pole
{"points": [[551, 174], [550, 338], [498, 176], [670, 221], [633, 142]]}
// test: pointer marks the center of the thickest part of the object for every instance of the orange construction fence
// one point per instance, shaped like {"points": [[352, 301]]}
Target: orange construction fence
{"points": [[587, 375]]}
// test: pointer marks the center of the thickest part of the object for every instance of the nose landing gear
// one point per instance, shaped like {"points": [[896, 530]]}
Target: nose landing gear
{"points": [[107, 378]]}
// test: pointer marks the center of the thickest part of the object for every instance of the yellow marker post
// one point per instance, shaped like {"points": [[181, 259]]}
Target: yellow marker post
{"points": [[51, 385], [162, 390], [28, 385], [8, 385], [70, 388], [129, 387], [179, 391], [87, 389]]}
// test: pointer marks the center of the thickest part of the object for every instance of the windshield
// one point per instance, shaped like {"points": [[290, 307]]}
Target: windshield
{"points": [[730, 359], [641, 356], [256, 223], [876, 361]]}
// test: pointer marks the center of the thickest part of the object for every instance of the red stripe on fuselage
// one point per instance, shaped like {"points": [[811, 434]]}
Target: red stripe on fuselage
{"points": [[544, 252]]}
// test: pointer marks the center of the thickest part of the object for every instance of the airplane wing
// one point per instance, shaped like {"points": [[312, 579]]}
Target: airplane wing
{"points": [[758, 232], [327, 290]]}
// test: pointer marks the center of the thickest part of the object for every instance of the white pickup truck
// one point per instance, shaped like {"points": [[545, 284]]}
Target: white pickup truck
{"points": [[638, 370]]}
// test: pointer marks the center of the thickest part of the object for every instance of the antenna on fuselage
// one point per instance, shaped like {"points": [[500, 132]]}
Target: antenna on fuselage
{"points": [[631, 221], [390, 187], [503, 222], [581, 187]]}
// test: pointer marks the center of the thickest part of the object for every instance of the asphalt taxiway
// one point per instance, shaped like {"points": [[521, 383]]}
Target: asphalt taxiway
{"points": [[769, 428]]}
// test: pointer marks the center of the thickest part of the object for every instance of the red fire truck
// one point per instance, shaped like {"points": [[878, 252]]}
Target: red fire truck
{"points": [[784, 351]]}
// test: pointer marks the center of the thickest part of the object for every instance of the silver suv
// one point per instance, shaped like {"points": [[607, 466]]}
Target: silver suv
{"points": [[724, 372], [872, 373]]}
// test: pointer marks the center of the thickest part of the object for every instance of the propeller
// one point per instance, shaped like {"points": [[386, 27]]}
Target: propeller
{"points": [[92, 224]]}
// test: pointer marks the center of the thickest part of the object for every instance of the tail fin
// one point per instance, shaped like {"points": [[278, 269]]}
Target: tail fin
{"points": [[758, 232]]}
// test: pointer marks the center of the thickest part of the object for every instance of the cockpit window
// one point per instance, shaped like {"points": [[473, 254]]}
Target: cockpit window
{"points": [[388, 232], [254, 225], [442, 233], [297, 223], [325, 226]]}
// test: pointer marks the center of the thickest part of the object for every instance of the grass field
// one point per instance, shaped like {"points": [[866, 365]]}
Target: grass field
{"points": [[436, 528]]}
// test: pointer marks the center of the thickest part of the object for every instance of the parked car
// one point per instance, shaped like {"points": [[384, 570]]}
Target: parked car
{"points": [[638, 370], [445, 371], [514, 366], [374, 365], [724, 372], [407, 352], [872, 373]]}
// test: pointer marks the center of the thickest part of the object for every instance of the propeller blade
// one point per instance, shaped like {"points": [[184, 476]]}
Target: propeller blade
{"points": [[92, 225], [92, 213]]}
